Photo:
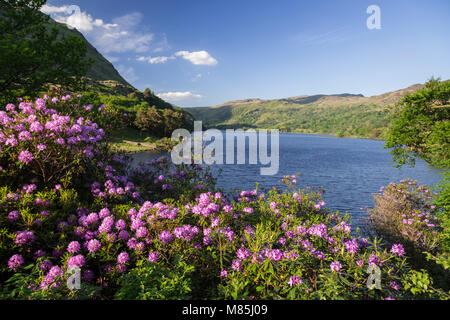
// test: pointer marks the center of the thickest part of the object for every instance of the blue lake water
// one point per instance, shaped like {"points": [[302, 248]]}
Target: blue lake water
{"points": [[350, 170]]}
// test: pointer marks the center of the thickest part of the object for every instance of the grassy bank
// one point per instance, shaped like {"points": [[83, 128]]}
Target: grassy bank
{"points": [[132, 140]]}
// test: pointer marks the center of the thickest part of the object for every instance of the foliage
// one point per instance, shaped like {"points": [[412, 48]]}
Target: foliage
{"points": [[40, 55], [357, 120], [159, 122], [154, 100], [36, 140], [165, 144], [282, 245], [418, 129], [150, 121], [172, 120], [155, 230], [159, 179], [150, 281], [33, 54], [442, 203], [406, 213], [403, 212], [142, 111]]}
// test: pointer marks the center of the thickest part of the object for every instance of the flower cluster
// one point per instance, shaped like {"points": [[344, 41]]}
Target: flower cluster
{"points": [[37, 142], [117, 223], [403, 212]]}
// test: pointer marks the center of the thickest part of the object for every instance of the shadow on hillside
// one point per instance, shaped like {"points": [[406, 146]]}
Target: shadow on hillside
{"points": [[233, 126], [310, 99], [211, 116]]}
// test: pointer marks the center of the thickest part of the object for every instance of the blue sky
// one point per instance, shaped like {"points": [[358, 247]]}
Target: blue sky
{"points": [[207, 52]]}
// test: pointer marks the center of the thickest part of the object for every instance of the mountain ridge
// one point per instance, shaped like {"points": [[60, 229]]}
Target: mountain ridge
{"points": [[402, 91], [344, 115], [101, 69]]}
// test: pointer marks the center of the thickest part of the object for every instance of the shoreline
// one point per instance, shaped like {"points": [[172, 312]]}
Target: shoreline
{"points": [[313, 133], [132, 147], [333, 135]]}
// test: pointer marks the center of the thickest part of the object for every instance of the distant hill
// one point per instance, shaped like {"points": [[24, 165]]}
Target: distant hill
{"points": [[345, 115]]}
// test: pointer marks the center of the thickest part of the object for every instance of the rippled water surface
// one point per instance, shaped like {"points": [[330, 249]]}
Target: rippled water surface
{"points": [[349, 170]]}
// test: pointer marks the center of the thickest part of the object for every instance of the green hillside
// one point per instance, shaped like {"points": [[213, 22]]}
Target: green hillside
{"points": [[344, 115], [131, 105], [101, 69], [103, 84]]}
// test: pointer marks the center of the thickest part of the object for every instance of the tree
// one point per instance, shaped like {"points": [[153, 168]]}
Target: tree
{"points": [[150, 121], [148, 93], [33, 53], [421, 129], [154, 100], [173, 120]]}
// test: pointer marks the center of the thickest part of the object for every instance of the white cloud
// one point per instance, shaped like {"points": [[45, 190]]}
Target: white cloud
{"points": [[198, 57], [198, 76], [112, 59], [75, 18], [179, 96], [155, 60], [162, 44], [123, 34], [128, 73], [52, 9], [123, 41]]}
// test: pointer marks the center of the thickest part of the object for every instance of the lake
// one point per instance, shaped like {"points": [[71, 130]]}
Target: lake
{"points": [[349, 169]]}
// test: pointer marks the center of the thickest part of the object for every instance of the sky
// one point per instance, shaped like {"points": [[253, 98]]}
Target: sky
{"points": [[207, 52]]}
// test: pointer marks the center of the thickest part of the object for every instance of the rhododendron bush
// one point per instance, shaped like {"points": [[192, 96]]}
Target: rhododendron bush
{"points": [[39, 143], [404, 212], [161, 231]]}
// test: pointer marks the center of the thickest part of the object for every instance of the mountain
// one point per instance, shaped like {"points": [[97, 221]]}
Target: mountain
{"points": [[105, 85], [103, 79], [344, 115], [101, 69]]}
